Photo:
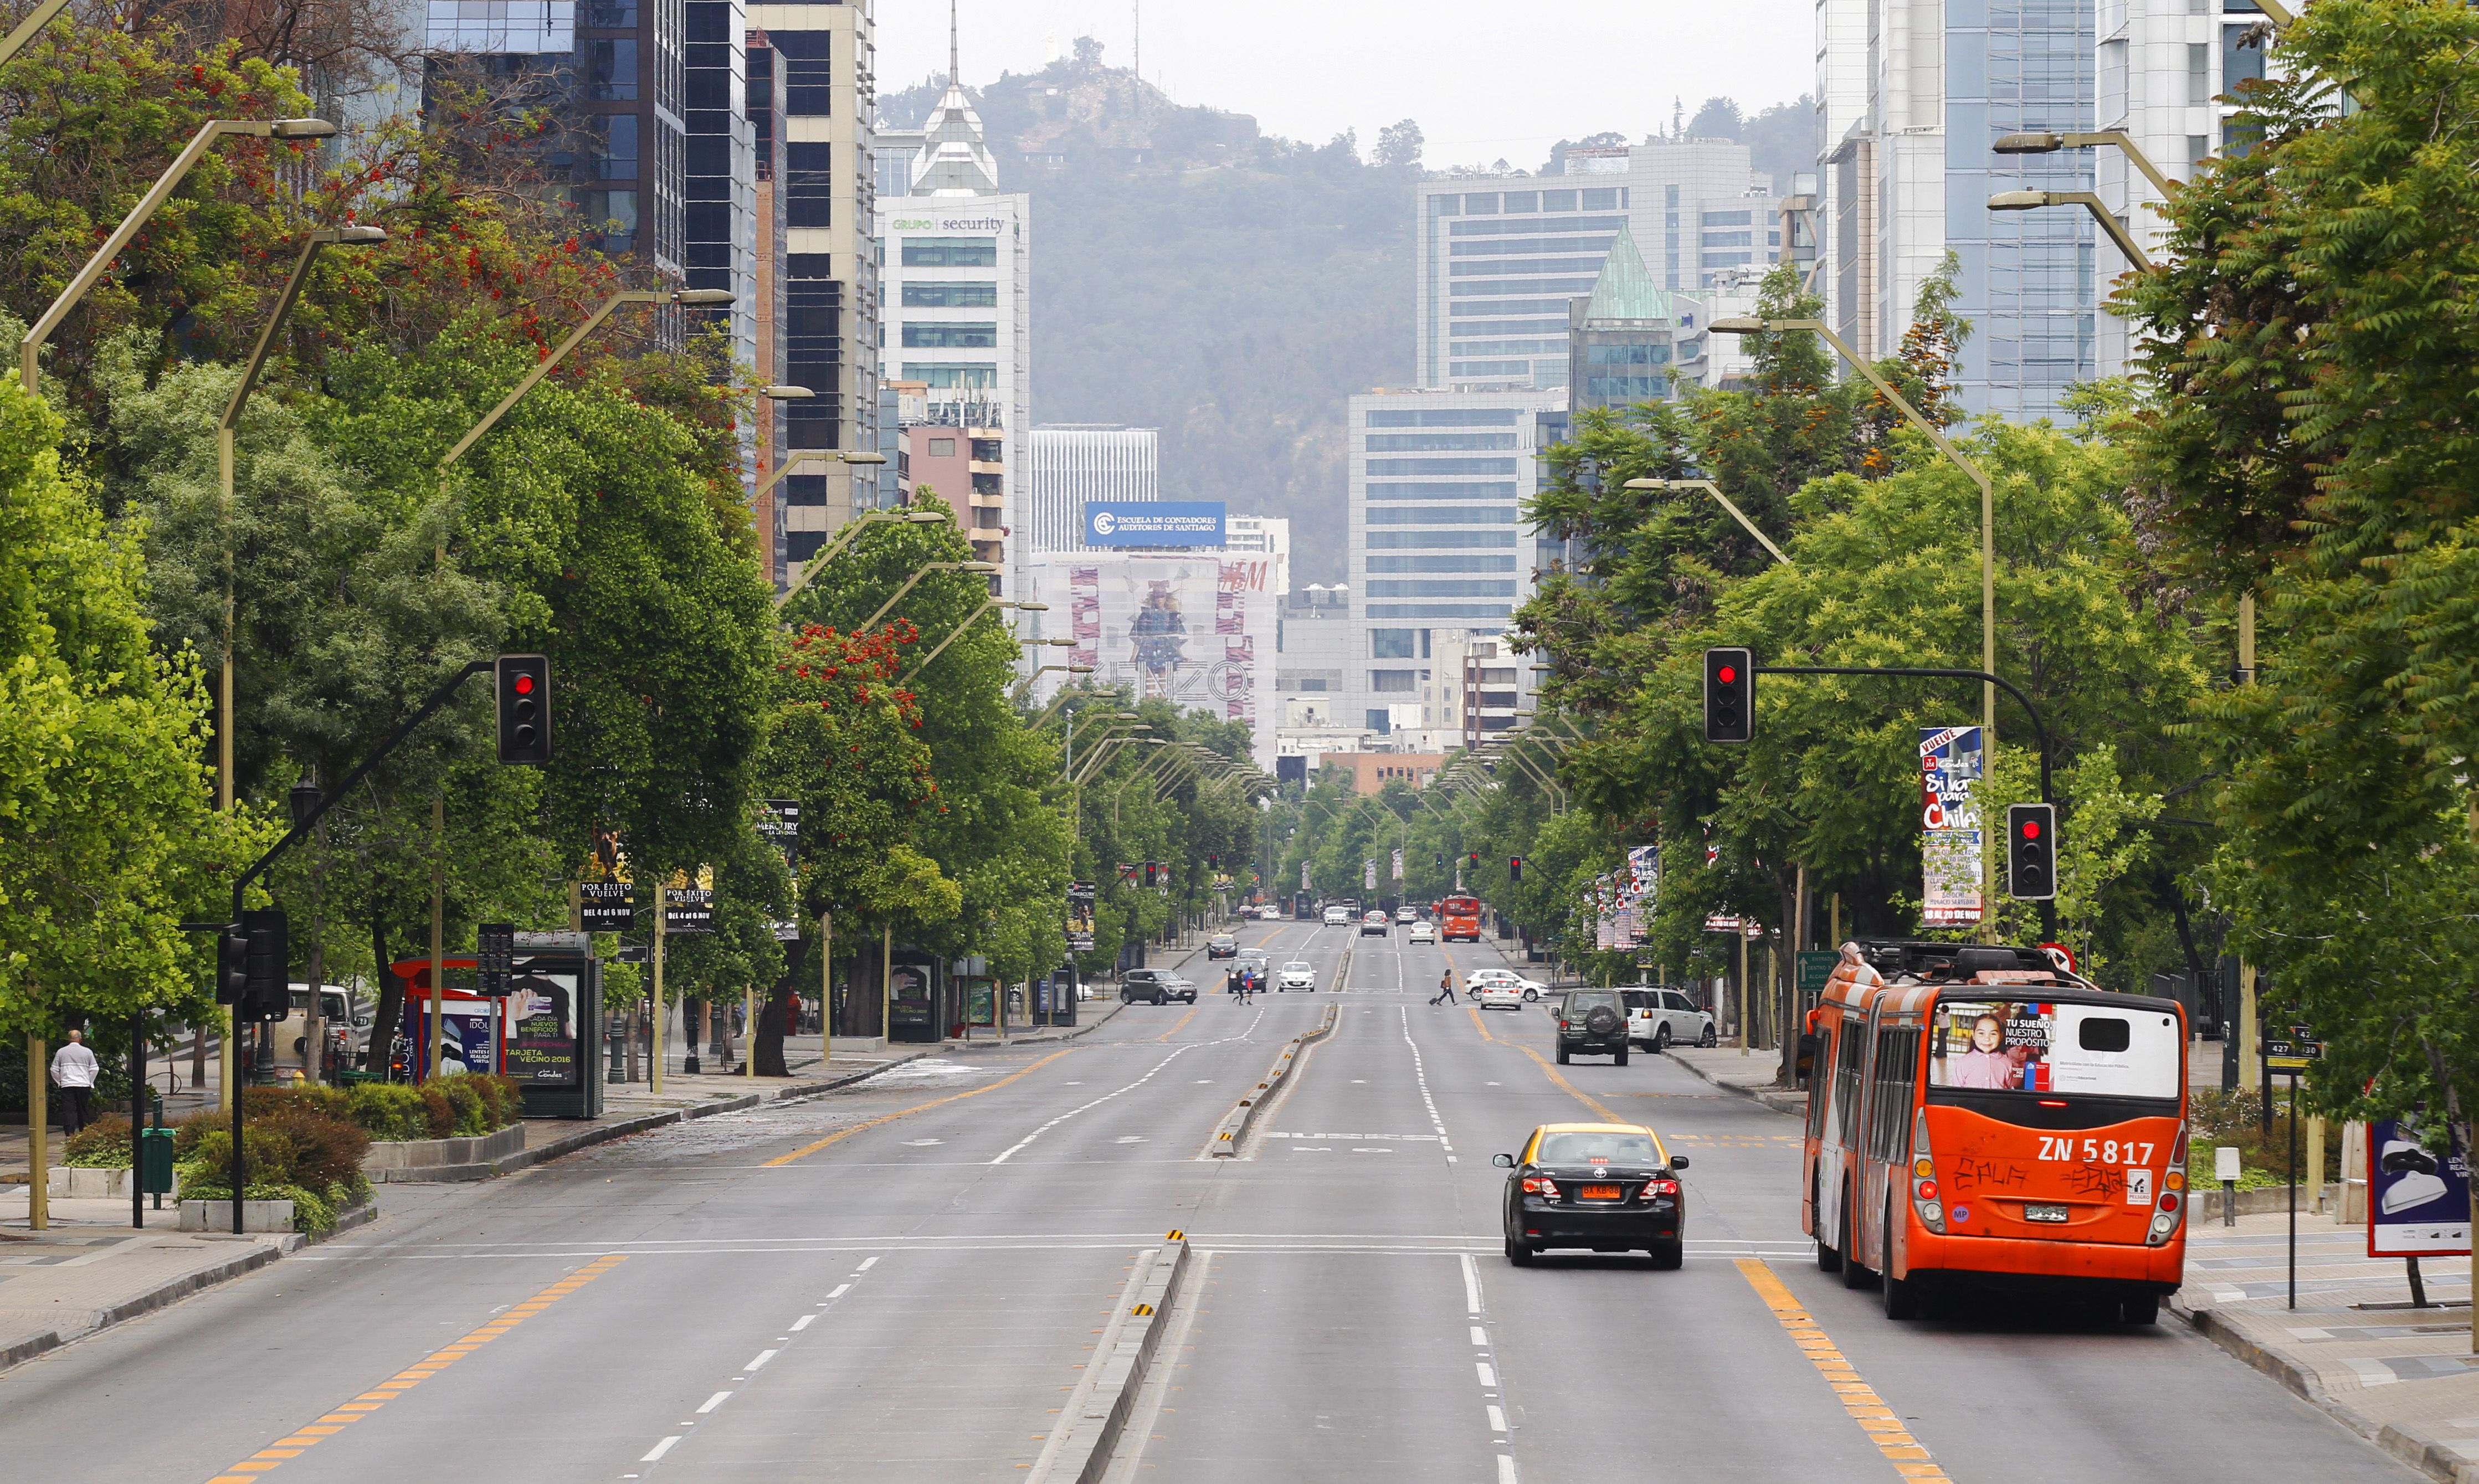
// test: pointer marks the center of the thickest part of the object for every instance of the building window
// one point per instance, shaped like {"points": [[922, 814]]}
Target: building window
{"points": [[1442, 515], [1440, 466], [613, 70], [1557, 201], [612, 15], [951, 377], [615, 146], [942, 447], [1729, 238], [2239, 63], [1394, 490], [808, 78], [950, 252], [950, 296], [611, 215], [2199, 74], [1457, 417], [989, 450], [1432, 540], [1390, 681], [986, 518], [1522, 201], [1728, 219], [1479, 588], [1393, 643], [951, 337], [1417, 443], [1379, 720]]}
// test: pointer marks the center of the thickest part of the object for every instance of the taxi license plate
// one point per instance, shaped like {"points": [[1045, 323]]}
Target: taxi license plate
{"points": [[2044, 1213], [1600, 1192]]}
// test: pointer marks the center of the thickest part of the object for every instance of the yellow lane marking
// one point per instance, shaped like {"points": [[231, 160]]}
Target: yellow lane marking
{"points": [[1578, 1093], [1908, 1457], [303, 1439], [806, 1150], [1183, 1022]]}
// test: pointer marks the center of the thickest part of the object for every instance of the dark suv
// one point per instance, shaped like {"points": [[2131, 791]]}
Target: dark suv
{"points": [[1152, 987], [1593, 1022]]}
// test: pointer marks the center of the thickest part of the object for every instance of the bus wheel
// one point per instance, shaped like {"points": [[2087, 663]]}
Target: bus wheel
{"points": [[2144, 1309], [1901, 1296], [1853, 1276], [1827, 1259]]}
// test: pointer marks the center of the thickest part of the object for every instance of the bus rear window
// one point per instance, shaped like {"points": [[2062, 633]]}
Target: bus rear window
{"points": [[2044, 1046]]}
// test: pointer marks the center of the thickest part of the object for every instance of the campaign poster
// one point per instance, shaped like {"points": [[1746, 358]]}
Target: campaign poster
{"points": [[2418, 1202], [606, 897], [542, 1029], [778, 820], [688, 908], [1644, 880], [1368, 875], [1951, 767], [1397, 871], [2043, 1046], [1081, 897]]}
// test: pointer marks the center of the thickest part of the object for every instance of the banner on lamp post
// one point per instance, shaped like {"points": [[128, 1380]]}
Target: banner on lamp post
{"points": [[1951, 763]]}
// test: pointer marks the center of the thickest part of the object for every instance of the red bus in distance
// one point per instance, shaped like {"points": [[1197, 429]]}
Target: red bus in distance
{"points": [[1459, 917]]}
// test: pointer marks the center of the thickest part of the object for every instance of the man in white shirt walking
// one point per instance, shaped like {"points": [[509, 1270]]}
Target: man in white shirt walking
{"points": [[73, 1069]]}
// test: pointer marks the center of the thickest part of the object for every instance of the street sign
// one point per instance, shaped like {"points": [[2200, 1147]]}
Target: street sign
{"points": [[2294, 1052], [1815, 971]]}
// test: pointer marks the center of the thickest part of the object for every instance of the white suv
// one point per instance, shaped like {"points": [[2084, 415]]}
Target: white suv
{"points": [[1657, 1018], [1525, 989]]}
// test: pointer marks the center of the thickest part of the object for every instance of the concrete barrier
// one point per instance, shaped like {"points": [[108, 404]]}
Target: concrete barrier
{"points": [[442, 1159], [1233, 1130], [1119, 1370], [255, 1215]]}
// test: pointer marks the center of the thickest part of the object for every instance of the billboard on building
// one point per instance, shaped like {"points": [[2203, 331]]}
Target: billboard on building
{"points": [[1153, 523], [1196, 631]]}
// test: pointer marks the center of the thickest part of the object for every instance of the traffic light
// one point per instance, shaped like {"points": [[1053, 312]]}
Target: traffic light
{"points": [[524, 709], [495, 958], [1475, 860], [2031, 851], [232, 964], [1729, 695], [1515, 868], [266, 961]]}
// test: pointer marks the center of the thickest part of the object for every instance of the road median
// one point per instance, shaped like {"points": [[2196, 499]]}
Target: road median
{"points": [[1114, 1378], [1233, 1130]]}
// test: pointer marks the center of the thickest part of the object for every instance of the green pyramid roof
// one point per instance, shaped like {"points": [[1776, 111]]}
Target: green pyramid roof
{"points": [[1625, 290]]}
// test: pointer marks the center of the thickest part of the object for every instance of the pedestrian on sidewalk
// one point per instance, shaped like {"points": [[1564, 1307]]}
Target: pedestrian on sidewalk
{"points": [[73, 1071], [1445, 994]]}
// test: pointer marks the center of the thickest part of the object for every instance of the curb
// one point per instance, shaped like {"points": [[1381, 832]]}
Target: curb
{"points": [[2438, 1461], [1233, 1130], [1095, 1436], [1789, 1104], [1044, 1038], [165, 1294]]}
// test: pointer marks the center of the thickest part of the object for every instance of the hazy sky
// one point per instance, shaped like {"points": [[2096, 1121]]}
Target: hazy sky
{"points": [[1484, 78]]}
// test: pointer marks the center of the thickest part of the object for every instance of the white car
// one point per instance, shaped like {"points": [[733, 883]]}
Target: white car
{"points": [[1296, 975], [1527, 988], [1657, 1018], [1421, 932], [1338, 917], [1271, 913], [1407, 915], [1498, 995]]}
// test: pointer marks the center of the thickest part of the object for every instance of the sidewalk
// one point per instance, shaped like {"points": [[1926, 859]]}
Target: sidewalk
{"points": [[2404, 1377], [1751, 1076]]}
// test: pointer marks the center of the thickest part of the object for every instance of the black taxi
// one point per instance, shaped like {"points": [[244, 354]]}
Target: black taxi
{"points": [[1605, 1187]]}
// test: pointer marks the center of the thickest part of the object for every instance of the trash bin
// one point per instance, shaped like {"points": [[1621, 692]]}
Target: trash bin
{"points": [[155, 1160]]}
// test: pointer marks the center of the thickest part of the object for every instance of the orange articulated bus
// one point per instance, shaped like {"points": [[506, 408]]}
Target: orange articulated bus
{"points": [[1980, 1116], [1459, 917]]}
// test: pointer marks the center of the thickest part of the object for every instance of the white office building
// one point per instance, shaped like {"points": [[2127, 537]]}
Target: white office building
{"points": [[1436, 483], [1911, 96], [1498, 256], [2161, 66], [957, 313], [1066, 465], [1264, 539]]}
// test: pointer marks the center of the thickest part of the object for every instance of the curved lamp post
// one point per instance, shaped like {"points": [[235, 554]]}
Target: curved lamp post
{"points": [[981, 568], [1714, 490], [957, 633], [31, 347], [2033, 200]]}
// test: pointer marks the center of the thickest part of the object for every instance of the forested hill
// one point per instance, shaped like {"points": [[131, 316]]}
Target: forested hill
{"points": [[1193, 275]]}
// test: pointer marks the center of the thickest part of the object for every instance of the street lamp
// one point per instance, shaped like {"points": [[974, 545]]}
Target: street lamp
{"points": [[957, 631], [2033, 200], [979, 569], [36, 20], [1936, 437], [593, 322], [853, 527], [2038, 142], [1714, 490], [30, 348]]}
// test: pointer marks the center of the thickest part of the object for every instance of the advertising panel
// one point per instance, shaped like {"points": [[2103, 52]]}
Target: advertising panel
{"points": [[2418, 1202], [1949, 837], [605, 896], [1080, 918], [1153, 523], [2039, 1046], [542, 1029], [1196, 631]]}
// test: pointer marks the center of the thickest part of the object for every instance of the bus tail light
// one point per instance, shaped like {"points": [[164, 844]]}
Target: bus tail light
{"points": [[2169, 1212], [1923, 1190]]}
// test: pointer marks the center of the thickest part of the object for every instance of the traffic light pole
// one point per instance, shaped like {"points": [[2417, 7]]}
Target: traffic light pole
{"points": [[2039, 728], [300, 830]]}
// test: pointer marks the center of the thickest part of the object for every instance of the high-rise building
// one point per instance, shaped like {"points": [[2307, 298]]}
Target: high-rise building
{"points": [[1628, 335], [958, 311], [1066, 465], [1436, 482], [1915, 92], [830, 285], [1498, 256], [2162, 68], [1264, 539]]}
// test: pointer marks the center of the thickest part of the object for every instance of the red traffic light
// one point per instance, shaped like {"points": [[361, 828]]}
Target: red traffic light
{"points": [[1729, 675], [524, 683], [2030, 829]]}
